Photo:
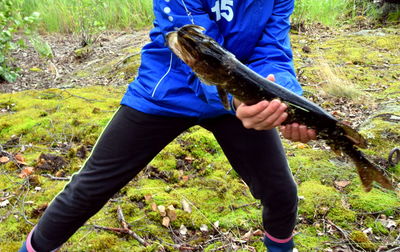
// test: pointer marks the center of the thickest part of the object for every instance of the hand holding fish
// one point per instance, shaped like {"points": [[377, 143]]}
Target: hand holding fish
{"points": [[268, 115]]}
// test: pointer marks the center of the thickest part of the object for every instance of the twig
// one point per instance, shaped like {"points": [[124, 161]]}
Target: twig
{"points": [[81, 97], [125, 226], [56, 178], [393, 249], [344, 233], [242, 206]]}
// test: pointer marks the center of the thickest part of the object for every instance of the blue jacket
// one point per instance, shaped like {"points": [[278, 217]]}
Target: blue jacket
{"points": [[256, 31]]}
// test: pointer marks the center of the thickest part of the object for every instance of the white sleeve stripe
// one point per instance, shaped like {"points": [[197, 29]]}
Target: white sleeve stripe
{"points": [[169, 69]]}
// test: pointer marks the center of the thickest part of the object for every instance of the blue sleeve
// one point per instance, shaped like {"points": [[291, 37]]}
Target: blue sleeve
{"points": [[177, 13], [273, 53]]}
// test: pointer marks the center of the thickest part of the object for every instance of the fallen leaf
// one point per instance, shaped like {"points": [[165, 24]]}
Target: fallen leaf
{"points": [[185, 178], [154, 207], [4, 203], [26, 172], [247, 235], [147, 197], [258, 232], [342, 183], [20, 159], [183, 230], [162, 211], [171, 213], [367, 231], [216, 224], [301, 146], [204, 228], [166, 221], [4, 159], [186, 206]]}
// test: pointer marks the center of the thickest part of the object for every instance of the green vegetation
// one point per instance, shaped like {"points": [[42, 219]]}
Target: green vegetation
{"points": [[71, 16], [11, 22], [348, 74], [328, 12], [193, 168]]}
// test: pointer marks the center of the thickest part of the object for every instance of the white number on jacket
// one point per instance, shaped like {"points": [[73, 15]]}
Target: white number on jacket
{"points": [[223, 8]]}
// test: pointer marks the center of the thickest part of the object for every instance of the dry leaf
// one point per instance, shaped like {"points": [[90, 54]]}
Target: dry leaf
{"points": [[247, 235], [216, 224], [342, 183], [185, 178], [204, 228], [20, 159], [171, 213], [258, 232], [27, 171], [166, 221], [154, 207], [4, 159], [186, 206], [147, 197], [183, 230], [162, 211], [4, 203], [301, 146]]}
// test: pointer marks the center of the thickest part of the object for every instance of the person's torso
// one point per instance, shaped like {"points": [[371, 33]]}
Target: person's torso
{"points": [[161, 86]]}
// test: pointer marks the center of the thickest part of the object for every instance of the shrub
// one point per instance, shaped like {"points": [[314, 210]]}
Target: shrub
{"points": [[11, 22]]}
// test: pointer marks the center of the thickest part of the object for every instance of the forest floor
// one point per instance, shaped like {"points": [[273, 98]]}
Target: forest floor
{"points": [[188, 198]]}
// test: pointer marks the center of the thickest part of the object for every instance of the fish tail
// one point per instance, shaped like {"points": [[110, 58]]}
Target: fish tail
{"points": [[368, 171]]}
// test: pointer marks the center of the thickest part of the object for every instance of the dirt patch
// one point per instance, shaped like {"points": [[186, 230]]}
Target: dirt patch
{"points": [[65, 69]]}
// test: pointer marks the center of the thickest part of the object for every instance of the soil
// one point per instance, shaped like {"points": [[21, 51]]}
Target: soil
{"points": [[40, 73]]}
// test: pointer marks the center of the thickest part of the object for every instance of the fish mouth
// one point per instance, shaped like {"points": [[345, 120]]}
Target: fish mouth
{"points": [[184, 41]]}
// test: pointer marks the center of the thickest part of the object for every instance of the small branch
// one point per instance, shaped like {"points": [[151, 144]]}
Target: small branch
{"points": [[393, 249], [81, 97], [344, 233], [125, 228], [56, 178], [125, 225], [245, 205]]}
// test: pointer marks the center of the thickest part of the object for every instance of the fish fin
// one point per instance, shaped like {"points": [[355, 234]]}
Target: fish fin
{"points": [[353, 135], [223, 95], [368, 171]]}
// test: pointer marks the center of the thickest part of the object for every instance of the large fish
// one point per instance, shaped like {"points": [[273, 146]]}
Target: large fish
{"points": [[214, 65]]}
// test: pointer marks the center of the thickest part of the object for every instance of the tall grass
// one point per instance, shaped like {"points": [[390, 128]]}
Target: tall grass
{"points": [[326, 12], [65, 15]]}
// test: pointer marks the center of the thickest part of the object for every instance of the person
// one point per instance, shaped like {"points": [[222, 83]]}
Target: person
{"points": [[166, 98]]}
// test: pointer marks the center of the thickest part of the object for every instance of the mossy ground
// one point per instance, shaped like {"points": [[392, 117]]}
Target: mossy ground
{"points": [[193, 168]]}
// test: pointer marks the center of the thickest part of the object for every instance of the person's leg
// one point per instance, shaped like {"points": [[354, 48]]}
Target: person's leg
{"points": [[259, 158], [127, 145]]}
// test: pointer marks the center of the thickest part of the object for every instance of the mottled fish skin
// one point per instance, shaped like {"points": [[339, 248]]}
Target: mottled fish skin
{"points": [[216, 66]]}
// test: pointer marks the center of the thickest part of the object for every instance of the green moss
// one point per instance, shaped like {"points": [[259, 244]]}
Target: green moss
{"points": [[308, 239], [374, 201], [363, 241], [318, 198]]}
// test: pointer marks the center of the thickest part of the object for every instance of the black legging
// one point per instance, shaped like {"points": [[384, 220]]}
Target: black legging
{"points": [[132, 139]]}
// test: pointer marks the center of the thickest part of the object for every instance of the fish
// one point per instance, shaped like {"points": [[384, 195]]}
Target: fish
{"points": [[214, 65]]}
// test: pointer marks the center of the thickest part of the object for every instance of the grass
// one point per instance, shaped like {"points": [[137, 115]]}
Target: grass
{"points": [[327, 12], [66, 16]]}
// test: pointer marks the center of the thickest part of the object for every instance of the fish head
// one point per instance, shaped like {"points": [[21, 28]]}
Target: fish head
{"points": [[201, 53]]}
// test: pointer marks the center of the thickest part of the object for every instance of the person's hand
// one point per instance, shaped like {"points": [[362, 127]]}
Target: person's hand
{"points": [[267, 115], [264, 115], [298, 133]]}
